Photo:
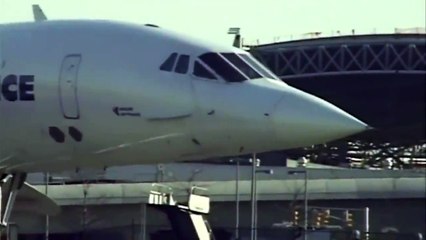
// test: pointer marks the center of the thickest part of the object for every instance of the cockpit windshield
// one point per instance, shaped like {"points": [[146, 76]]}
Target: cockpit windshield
{"points": [[201, 71], [222, 67], [258, 66], [242, 65], [232, 67]]}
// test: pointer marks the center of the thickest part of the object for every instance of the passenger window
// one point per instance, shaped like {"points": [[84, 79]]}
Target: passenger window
{"points": [[182, 64], [241, 65], [222, 67], [169, 63], [202, 72]]}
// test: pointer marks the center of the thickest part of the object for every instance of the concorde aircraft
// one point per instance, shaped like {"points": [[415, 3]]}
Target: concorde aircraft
{"points": [[96, 93]]}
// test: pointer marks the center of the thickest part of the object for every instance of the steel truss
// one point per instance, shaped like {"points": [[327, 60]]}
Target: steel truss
{"points": [[345, 58]]}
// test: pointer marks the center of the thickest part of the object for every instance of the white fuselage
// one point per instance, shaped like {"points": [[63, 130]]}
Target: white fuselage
{"points": [[91, 93]]}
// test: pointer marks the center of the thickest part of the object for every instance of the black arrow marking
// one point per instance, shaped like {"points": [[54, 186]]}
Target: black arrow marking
{"points": [[115, 110], [125, 111]]}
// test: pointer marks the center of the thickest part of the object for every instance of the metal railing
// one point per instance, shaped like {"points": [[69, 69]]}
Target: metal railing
{"points": [[345, 58], [327, 34]]}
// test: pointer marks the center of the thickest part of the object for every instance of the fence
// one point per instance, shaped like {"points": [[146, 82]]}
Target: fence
{"points": [[327, 34]]}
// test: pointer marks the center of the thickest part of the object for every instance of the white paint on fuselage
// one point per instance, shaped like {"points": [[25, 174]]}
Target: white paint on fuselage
{"points": [[183, 117]]}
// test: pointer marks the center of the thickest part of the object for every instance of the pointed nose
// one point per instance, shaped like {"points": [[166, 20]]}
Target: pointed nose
{"points": [[301, 119]]}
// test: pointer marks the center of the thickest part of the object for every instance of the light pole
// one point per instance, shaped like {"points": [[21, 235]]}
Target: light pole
{"points": [[255, 164], [237, 201], [265, 171], [46, 181], [237, 196], [305, 225], [304, 171], [85, 191], [144, 210], [367, 223]]}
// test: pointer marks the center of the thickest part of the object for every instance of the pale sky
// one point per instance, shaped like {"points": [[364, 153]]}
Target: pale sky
{"points": [[258, 19]]}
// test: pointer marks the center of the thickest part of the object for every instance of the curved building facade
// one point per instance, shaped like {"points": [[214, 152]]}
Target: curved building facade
{"points": [[380, 79]]}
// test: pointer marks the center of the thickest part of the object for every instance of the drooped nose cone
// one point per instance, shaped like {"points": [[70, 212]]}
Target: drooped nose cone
{"points": [[301, 119]]}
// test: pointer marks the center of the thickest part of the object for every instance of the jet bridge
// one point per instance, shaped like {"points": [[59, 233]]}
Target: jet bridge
{"points": [[188, 221]]}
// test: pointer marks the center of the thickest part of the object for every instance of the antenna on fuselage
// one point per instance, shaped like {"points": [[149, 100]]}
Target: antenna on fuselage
{"points": [[237, 39], [151, 25], [38, 13]]}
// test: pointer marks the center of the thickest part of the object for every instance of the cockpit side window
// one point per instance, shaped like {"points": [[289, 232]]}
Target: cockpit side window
{"points": [[222, 67], [201, 71], [258, 66], [169, 63], [242, 65], [182, 64]]}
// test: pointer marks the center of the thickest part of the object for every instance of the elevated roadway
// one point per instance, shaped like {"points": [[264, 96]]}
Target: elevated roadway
{"points": [[133, 184], [390, 194]]}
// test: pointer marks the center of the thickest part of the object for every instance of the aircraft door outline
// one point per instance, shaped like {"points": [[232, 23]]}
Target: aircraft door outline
{"points": [[68, 86]]}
